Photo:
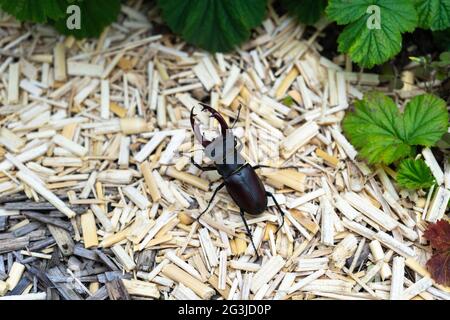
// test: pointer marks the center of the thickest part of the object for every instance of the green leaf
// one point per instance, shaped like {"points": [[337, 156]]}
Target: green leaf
{"points": [[95, 16], [39, 11], [307, 11], [211, 24], [433, 14], [425, 120], [383, 135], [445, 57], [366, 43], [414, 174]]}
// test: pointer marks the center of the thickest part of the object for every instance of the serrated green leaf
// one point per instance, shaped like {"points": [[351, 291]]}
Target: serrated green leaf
{"points": [[213, 25], [373, 128], [307, 11], [95, 16], [368, 45], [433, 14], [39, 11], [414, 174], [425, 120], [383, 135]]}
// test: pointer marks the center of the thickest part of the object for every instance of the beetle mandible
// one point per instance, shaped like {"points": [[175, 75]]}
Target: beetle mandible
{"points": [[240, 178]]}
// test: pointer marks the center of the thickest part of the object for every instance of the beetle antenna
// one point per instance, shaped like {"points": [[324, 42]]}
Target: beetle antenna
{"points": [[237, 118], [259, 166]]}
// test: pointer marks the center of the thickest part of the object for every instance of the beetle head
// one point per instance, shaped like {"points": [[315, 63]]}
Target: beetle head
{"points": [[196, 128], [224, 149]]}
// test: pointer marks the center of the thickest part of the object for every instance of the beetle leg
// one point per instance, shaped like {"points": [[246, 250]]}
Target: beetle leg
{"points": [[212, 198], [196, 128], [278, 207], [209, 168], [249, 233]]}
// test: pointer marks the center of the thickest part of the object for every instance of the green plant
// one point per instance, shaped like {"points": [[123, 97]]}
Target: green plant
{"points": [[414, 174], [433, 14], [306, 11], [34, 11], [442, 66], [370, 42], [372, 31], [95, 15], [384, 135], [373, 28], [439, 69], [213, 25]]}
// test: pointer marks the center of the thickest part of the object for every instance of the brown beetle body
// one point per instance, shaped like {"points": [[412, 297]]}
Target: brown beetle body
{"points": [[247, 190]]}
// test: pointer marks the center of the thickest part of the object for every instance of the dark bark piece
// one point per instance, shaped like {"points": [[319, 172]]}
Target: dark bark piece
{"points": [[63, 288], [92, 271], [44, 218], [41, 206], [116, 290], [361, 260], [13, 198], [56, 214], [6, 235], [20, 287], [74, 264], [2, 264], [113, 275], [28, 260], [146, 260], [37, 235], [35, 284], [26, 229], [88, 279], [10, 261], [85, 253], [63, 239], [40, 275], [50, 294], [3, 223], [32, 236], [106, 260], [56, 257], [13, 244], [41, 244]]}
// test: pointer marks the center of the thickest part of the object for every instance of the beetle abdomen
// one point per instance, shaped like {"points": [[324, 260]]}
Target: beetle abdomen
{"points": [[247, 190]]}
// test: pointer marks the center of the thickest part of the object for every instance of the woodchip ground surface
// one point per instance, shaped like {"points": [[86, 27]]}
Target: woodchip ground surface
{"points": [[98, 197]]}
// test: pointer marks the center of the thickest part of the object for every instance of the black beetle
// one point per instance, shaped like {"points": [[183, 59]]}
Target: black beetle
{"points": [[240, 178]]}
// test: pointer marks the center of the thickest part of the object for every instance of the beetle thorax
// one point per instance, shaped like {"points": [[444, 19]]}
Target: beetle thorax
{"points": [[225, 150]]}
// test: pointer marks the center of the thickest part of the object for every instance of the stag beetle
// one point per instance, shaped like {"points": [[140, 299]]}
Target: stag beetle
{"points": [[240, 178]]}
